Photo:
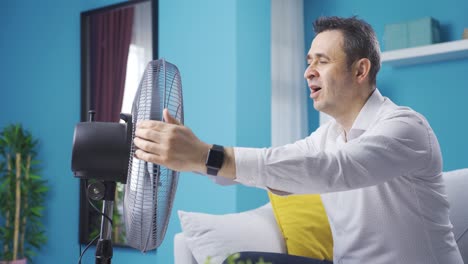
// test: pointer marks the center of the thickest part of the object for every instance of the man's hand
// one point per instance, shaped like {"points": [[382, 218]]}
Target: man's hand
{"points": [[170, 144]]}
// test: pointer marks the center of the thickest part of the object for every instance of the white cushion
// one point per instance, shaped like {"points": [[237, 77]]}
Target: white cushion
{"points": [[218, 236]]}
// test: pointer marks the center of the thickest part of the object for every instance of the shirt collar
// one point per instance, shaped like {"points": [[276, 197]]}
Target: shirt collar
{"points": [[366, 116]]}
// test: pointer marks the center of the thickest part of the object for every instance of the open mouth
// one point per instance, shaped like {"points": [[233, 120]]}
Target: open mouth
{"points": [[315, 89]]}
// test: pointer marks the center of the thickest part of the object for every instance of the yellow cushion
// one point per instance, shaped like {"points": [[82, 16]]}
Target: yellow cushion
{"points": [[304, 224]]}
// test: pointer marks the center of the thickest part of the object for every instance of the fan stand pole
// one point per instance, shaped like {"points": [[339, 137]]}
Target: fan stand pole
{"points": [[104, 249]]}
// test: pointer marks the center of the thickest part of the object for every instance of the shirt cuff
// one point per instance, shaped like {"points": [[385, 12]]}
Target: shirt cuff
{"points": [[249, 162], [221, 180]]}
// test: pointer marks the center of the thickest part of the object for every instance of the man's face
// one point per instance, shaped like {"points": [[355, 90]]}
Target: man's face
{"points": [[328, 77]]}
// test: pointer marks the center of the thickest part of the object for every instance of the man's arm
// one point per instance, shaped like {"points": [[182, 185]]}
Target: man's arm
{"points": [[176, 147], [401, 144]]}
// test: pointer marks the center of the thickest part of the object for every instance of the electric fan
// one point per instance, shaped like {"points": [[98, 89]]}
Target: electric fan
{"points": [[104, 151]]}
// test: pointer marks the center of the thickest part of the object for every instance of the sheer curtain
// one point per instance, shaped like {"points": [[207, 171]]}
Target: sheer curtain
{"points": [[140, 53], [288, 88]]}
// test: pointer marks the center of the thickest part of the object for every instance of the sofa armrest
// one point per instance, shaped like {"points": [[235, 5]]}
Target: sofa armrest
{"points": [[182, 254], [456, 183]]}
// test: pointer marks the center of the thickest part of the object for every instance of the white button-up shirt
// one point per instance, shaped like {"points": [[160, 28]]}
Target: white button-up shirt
{"points": [[381, 185]]}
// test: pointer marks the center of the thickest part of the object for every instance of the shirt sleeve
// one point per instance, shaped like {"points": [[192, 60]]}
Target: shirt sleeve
{"points": [[397, 146]]}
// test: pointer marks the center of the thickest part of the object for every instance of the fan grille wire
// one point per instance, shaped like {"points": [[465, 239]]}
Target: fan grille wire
{"points": [[150, 188]]}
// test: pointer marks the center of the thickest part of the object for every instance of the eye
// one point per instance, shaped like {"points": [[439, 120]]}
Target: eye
{"points": [[323, 61]]}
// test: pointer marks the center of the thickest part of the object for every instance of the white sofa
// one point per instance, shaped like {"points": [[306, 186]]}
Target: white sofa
{"points": [[267, 238]]}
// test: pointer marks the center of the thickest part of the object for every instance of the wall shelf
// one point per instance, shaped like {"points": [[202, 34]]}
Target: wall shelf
{"points": [[425, 54]]}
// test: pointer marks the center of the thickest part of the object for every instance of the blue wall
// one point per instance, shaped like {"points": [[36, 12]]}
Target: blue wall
{"points": [[437, 90], [226, 91], [253, 80], [40, 85], [199, 37]]}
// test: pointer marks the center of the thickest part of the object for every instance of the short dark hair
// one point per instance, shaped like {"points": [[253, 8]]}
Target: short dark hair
{"points": [[359, 38]]}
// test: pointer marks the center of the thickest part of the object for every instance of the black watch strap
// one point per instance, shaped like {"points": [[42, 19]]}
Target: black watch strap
{"points": [[214, 160], [212, 171]]}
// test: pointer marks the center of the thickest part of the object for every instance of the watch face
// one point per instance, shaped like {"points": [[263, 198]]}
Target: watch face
{"points": [[215, 159]]}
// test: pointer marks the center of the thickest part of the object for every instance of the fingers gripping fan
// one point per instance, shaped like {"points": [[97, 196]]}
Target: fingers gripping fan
{"points": [[150, 188]]}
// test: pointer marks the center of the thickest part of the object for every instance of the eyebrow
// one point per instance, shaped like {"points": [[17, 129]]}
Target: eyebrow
{"points": [[318, 55]]}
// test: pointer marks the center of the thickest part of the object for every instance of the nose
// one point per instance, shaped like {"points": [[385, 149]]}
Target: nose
{"points": [[310, 72]]}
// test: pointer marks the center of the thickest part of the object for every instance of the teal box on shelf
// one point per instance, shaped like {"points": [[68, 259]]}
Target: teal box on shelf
{"points": [[396, 36], [424, 31], [418, 32]]}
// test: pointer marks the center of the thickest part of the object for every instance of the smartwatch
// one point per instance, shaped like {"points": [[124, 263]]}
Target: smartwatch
{"points": [[214, 160]]}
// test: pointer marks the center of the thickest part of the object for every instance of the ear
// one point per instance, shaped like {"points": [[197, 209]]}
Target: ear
{"points": [[361, 69]]}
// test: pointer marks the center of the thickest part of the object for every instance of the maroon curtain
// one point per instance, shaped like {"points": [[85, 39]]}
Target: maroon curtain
{"points": [[110, 38]]}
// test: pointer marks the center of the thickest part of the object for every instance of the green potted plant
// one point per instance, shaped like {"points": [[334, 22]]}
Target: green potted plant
{"points": [[22, 193], [233, 259]]}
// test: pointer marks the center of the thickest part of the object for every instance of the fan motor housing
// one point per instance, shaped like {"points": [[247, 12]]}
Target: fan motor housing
{"points": [[101, 151]]}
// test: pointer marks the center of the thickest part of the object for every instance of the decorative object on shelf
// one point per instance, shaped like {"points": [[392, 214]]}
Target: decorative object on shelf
{"points": [[414, 33], [465, 33], [23, 194]]}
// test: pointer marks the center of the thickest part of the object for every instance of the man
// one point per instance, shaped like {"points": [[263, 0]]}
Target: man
{"points": [[377, 165]]}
